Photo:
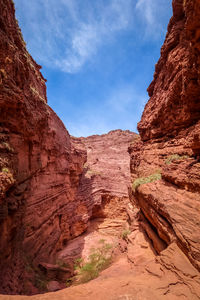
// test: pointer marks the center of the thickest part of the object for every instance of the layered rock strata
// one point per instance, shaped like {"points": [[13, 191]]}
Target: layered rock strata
{"points": [[51, 193], [39, 166], [170, 134], [106, 171], [103, 193], [48, 195]]}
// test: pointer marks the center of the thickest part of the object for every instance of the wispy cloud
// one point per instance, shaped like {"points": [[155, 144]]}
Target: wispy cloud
{"points": [[124, 98], [66, 34], [145, 7], [152, 12]]}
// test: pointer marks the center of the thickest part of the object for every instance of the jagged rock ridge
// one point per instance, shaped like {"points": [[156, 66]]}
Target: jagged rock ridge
{"points": [[170, 134]]}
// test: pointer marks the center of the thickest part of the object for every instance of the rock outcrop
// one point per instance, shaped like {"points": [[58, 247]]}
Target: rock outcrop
{"points": [[39, 166], [167, 156]]}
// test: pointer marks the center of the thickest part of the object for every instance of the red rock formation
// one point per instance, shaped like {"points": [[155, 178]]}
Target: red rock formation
{"points": [[170, 134], [106, 171], [175, 90], [45, 199], [39, 166], [103, 192]]}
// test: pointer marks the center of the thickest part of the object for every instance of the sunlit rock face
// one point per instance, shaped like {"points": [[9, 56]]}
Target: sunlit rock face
{"points": [[174, 104], [107, 169], [170, 138]]}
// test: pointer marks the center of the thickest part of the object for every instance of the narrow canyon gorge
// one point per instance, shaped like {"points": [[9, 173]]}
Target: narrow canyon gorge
{"points": [[134, 196]]}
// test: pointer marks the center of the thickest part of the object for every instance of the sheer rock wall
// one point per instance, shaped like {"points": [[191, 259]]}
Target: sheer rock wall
{"points": [[170, 138]]}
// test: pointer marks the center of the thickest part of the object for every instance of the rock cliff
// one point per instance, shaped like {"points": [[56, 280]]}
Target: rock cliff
{"points": [[51, 184], [103, 192], [107, 169], [167, 156], [39, 166]]}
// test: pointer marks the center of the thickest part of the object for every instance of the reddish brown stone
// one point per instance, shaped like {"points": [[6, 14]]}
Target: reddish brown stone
{"points": [[170, 134], [36, 152]]}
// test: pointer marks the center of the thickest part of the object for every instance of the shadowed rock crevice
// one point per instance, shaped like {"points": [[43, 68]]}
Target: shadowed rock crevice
{"points": [[151, 231]]}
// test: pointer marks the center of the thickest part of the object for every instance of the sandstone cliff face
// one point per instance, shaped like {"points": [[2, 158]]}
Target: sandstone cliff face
{"points": [[48, 195], [175, 89], [170, 140], [103, 193], [39, 166], [107, 169]]}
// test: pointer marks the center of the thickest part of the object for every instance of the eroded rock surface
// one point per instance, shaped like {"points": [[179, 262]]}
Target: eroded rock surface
{"points": [[169, 145], [39, 166], [48, 195], [106, 172], [103, 193]]}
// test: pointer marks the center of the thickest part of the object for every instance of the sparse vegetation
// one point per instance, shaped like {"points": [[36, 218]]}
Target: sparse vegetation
{"points": [[41, 283], [99, 259], [5, 145], [142, 180], [5, 170], [175, 157], [37, 278], [125, 234], [69, 282], [62, 264]]}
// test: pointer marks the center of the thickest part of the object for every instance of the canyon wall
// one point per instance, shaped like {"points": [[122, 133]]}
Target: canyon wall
{"points": [[39, 166], [167, 154], [106, 173], [51, 184]]}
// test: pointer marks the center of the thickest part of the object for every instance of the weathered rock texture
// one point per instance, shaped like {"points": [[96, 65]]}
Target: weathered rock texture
{"points": [[106, 172], [39, 166], [170, 140], [103, 193], [47, 193], [175, 90]]}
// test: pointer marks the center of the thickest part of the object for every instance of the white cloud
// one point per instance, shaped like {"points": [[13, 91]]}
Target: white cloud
{"points": [[68, 33], [153, 12], [145, 7], [89, 36]]}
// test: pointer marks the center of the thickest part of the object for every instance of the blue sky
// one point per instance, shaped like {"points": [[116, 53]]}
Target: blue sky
{"points": [[98, 57]]}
